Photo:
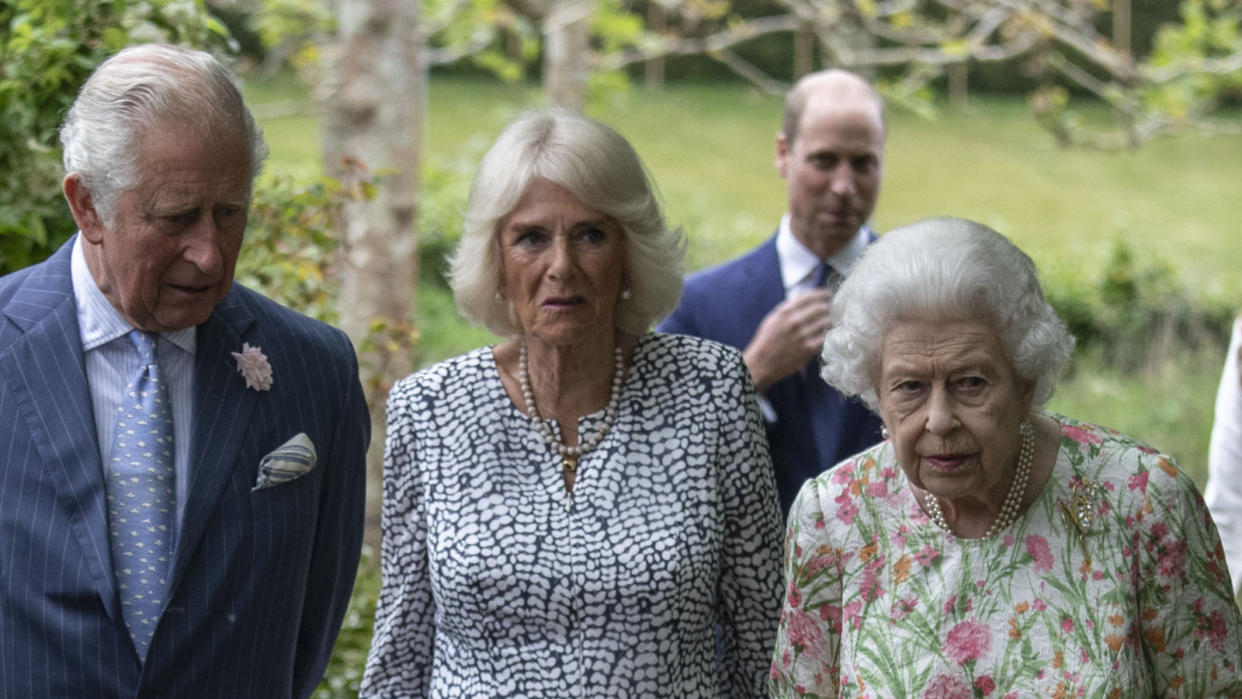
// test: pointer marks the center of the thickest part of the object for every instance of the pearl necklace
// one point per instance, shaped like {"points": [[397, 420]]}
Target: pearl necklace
{"points": [[1017, 488], [570, 454]]}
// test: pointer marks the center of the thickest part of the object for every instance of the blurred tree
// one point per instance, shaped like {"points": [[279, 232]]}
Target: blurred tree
{"points": [[1056, 41], [47, 49], [373, 96], [911, 44], [367, 68]]}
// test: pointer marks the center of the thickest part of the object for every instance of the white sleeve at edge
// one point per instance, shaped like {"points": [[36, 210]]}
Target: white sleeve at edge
{"points": [[1224, 487]]}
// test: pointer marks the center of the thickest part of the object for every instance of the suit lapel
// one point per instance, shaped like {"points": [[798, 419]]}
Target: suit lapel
{"points": [[47, 374], [763, 278], [222, 410]]}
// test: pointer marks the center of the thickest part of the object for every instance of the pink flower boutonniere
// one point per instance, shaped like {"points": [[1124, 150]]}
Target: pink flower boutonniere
{"points": [[254, 368]]}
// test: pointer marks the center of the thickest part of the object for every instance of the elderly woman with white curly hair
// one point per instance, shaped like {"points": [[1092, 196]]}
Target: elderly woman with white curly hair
{"points": [[988, 548], [586, 508]]}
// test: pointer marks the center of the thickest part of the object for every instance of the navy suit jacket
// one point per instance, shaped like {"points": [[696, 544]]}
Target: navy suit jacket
{"points": [[815, 426], [260, 580]]}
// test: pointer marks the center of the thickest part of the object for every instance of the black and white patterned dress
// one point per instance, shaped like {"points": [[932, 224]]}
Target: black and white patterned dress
{"points": [[499, 584]]}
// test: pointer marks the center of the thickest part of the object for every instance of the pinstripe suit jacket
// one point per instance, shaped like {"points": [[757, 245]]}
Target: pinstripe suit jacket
{"points": [[260, 579]]}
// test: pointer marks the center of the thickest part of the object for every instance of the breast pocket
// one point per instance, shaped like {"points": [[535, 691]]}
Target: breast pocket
{"points": [[295, 501], [286, 481]]}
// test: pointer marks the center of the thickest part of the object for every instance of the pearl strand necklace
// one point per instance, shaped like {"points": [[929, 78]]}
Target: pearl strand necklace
{"points": [[1017, 488], [570, 454]]}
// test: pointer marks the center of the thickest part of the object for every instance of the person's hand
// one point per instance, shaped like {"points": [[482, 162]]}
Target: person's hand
{"points": [[789, 337]]}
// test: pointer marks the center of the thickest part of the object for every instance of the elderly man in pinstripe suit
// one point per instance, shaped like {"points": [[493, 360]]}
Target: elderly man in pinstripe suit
{"points": [[181, 459]]}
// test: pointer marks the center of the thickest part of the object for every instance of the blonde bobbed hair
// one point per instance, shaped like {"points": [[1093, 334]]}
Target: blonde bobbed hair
{"points": [[599, 167]]}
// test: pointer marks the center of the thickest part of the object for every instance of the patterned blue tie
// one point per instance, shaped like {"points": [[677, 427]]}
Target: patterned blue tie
{"points": [[141, 498], [827, 277]]}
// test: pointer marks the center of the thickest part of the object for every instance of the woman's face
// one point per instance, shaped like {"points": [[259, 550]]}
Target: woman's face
{"points": [[952, 405], [561, 265]]}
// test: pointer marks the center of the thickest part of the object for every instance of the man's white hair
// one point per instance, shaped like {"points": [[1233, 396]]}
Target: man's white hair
{"points": [[144, 87]]}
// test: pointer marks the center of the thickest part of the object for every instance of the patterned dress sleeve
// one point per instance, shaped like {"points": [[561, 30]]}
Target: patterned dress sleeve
{"points": [[400, 660], [750, 585], [806, 660], [1190, 626]]}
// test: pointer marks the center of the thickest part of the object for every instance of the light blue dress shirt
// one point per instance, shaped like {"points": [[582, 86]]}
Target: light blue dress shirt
{"points": [[109, 365]]}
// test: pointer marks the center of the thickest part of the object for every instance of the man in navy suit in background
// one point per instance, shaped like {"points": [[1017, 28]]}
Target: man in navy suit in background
{"points": [[773, 302], [226, 572]]}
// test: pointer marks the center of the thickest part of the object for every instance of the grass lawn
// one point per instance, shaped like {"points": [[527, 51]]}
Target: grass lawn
{"points": [[710, 149]]}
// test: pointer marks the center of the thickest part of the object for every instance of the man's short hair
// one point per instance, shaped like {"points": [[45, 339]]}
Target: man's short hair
{"points": [[141, 87], [841, 80]]}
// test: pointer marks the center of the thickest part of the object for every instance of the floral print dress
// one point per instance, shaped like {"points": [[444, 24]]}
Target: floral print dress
{"points": [[1113, 584]]}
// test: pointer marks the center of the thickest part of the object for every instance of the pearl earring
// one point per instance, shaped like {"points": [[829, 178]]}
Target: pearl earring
{"points": [[883, 431], [626, 294]]}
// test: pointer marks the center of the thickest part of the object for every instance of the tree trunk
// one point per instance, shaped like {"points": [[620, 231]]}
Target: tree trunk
{"points": [[373, 114], [1121, 25], [566, 53], [803, 51], [653, 69], [958, 91]]}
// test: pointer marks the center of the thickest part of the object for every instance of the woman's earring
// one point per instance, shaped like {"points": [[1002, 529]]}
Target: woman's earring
{"points": [[884, 431], [626, 294]]}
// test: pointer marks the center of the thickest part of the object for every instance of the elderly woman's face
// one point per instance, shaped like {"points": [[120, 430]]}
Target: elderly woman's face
{"points": [[562, 265], [952, 405]]}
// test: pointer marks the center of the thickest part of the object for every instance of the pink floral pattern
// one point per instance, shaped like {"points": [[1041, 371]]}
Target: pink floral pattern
{"points": [[1037, 546], [969, 640], [1135, 601]]}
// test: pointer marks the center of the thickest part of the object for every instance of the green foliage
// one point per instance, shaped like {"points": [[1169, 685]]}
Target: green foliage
{"points": [[289, 29], [290, 248], [1135, 312], [47, 49], [1210, 30], [442, 196]]}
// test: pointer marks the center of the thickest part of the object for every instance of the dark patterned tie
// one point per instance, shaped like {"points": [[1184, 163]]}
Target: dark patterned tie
{"points": [[141, 497], [825, 278]]}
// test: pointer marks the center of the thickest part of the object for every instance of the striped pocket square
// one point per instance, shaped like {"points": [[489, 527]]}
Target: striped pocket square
{"points": [[293, 459]]}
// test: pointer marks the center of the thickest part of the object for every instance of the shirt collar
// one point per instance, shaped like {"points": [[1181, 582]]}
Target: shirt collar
{"points": [[798, 263], [98, 321]]}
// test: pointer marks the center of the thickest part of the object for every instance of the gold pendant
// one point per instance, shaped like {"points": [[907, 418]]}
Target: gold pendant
{"points": [[571, 464]]}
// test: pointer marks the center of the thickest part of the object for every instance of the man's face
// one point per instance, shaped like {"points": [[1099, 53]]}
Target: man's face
{"points": [[832, 170], [169, 257]]}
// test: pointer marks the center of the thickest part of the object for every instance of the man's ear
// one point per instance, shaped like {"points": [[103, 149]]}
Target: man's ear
{"points": [[782, 153], [82, 206]]}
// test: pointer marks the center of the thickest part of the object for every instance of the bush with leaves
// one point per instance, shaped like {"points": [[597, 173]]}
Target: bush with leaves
{"points": [[1136, 311], [289, 251], [47, 50]]}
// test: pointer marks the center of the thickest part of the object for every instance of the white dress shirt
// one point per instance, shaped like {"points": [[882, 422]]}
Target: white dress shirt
{"points": [[1224, 487], [799, 265], [109, 365]]}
